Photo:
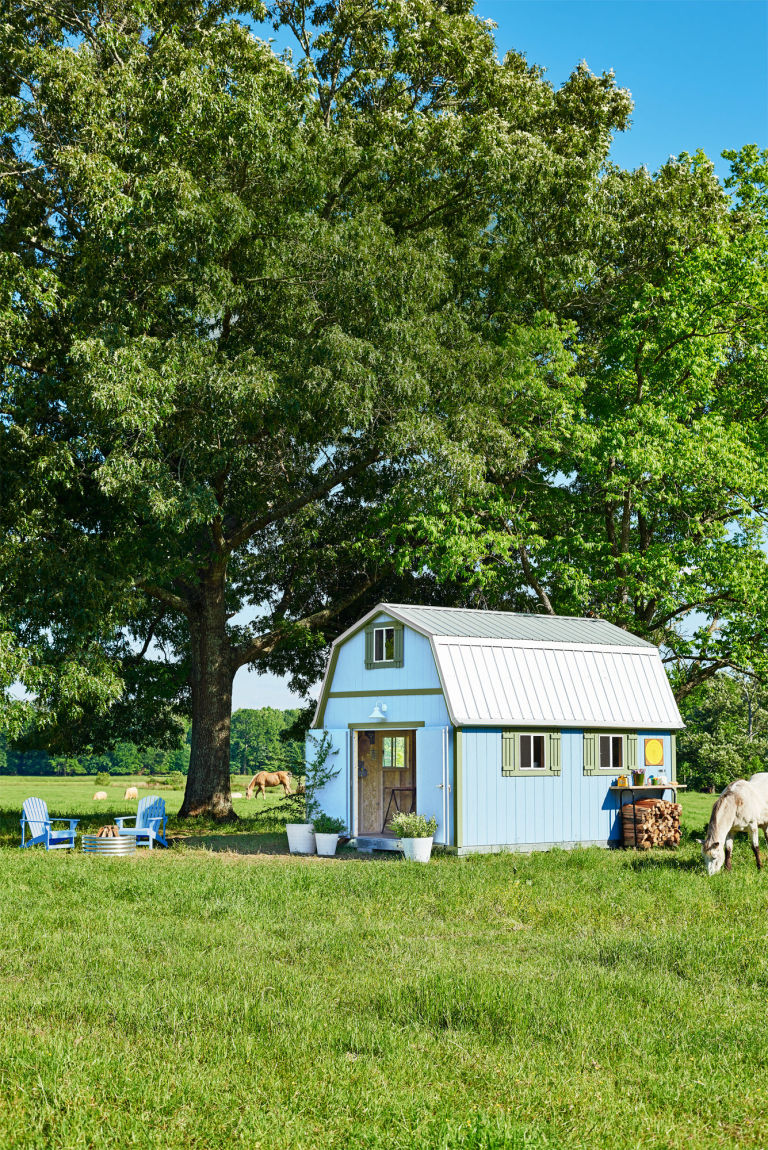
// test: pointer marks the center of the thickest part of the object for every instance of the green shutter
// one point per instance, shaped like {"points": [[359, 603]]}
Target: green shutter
{"points": [[631, 758], [553, 752], [398, 660], [509, 757], [369, 647], [673, 764], [591, 752]]}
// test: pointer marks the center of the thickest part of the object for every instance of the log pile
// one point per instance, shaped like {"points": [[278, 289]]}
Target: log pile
{"points": [[108, 832], [652, 823]]}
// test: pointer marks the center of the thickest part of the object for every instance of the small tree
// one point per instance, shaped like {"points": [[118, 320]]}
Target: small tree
{"points": [[304, 804]]}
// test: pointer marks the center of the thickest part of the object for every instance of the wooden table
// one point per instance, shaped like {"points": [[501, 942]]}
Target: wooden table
{"points": [[673, 787]]}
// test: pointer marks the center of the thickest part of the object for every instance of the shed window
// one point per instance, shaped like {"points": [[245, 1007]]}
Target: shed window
{"points": [[383, 644], [532, 755], [611, 753], [393, 752]]}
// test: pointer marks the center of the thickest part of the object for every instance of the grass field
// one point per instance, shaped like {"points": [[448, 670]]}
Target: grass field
{"points": [[194, 999]]}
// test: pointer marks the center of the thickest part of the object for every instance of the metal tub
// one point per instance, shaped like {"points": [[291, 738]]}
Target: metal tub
{"points": [[124, 845]]}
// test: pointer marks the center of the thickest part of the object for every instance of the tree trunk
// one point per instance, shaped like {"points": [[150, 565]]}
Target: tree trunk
{"points": [[211, 675]]}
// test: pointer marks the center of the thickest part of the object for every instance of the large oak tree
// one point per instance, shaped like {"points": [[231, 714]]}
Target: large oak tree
{"points": [[255, 317]]}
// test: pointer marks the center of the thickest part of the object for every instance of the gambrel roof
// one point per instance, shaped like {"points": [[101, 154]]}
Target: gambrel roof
{"points": [[497, 668]]}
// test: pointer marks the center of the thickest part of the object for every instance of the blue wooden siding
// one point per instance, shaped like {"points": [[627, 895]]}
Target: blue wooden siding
{"points": [[565, 808], [666, 768], [427, 709], [417, 672]]}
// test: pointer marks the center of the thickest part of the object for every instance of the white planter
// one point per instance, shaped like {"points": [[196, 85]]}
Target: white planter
{"points": [[418, 850], [301, 838], [326, 844]]}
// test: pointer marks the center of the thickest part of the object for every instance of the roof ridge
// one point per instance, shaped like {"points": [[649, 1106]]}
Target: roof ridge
{"points": [[496, 611]]}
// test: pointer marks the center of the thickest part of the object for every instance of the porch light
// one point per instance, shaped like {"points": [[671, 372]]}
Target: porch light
{"points": [[379, 712]]}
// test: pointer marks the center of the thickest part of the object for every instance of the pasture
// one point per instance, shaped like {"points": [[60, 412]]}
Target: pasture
{"points": [[190, 998]]}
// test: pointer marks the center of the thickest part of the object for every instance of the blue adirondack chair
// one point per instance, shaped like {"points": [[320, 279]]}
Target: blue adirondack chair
{"points": [[150, 821], [35, 816]]}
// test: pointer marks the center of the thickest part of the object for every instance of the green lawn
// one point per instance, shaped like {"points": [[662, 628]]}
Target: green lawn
{"points": [[197, 999]]}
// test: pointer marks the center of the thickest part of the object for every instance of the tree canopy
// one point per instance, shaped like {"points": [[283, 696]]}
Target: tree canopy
{"points": [[286, 335], [252, 321]]}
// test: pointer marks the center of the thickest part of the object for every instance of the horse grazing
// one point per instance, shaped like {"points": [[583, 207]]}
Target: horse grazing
{"points": [[743, 806], [265, 779]]}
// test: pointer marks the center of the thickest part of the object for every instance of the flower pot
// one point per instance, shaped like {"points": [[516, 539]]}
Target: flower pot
{"points": [[301, 838], [638, 778], [418, 850], [326, 844]]}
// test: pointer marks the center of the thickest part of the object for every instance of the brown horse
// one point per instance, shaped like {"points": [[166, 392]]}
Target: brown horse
{"points": [[265, 779]]}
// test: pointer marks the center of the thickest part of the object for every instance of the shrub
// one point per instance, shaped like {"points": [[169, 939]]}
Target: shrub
{"points": [[327, 825], [177, 780], [316, 773], [103, 779], [407, 826]]}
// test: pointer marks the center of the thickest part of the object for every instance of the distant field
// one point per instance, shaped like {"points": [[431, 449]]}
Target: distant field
{"points": [[185, 999]]}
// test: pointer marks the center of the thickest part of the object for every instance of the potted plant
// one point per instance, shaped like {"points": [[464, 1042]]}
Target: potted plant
{"points": [[638, 777], [415, 833], [303, 804], [327, 831]]}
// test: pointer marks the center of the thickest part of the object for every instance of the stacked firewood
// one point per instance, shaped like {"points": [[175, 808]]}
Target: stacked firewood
{"points": [[108, 832], [652, 823]]}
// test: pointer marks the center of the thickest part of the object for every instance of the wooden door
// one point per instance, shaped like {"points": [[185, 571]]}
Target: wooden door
{"points": [[386, 777], [369, 782]]}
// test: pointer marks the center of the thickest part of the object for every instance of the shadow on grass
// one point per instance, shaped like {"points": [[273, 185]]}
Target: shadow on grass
{"points": [[268, 844]]}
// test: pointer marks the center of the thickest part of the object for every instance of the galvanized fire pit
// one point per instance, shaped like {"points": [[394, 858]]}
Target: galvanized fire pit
{"points": [[124, 845]]}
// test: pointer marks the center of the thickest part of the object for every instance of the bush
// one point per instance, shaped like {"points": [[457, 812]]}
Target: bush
{"points": [[303, 805], [407, 826], [103, 779], [327, 825], [177, 780]]}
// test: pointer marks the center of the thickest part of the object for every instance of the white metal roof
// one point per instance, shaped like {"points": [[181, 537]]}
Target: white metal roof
{"points": [[468, 623], [537, 670], [504, 683]]}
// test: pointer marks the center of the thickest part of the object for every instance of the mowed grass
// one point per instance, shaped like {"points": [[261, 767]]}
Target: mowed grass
{"points": [[570, 999], [73, 797]]}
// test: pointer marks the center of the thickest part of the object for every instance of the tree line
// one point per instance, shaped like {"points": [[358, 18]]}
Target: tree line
{"points": [[258, 742], [284, 335]]}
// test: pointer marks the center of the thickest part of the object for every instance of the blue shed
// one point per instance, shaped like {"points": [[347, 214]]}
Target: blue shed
{"points": [[508, 728]]}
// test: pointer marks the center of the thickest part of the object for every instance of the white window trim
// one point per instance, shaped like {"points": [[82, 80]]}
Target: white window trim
{"points": [[613, 768], [384, 629], [532, 735]]}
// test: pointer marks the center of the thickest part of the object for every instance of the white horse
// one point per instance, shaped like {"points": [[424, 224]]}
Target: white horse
{"points": [[743, 806]]}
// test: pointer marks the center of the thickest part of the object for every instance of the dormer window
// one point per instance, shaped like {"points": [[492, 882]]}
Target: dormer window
{"points": [[383, 644]]}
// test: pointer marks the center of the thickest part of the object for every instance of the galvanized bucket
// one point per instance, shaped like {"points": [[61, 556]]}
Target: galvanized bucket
{"points": [[125, 845]]}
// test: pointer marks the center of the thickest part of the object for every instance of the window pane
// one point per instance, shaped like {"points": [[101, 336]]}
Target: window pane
{"points": [[618, 743], [389, 643], [605, 752], [538, 752], [525, 752], [393, 752], [378, 645]]}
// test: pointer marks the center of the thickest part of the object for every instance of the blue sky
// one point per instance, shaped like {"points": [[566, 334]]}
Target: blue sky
{"points": [[697, 69], [698, 74]]}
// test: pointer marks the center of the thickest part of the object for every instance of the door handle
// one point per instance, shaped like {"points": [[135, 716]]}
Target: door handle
{"points": [[440, 786]]}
